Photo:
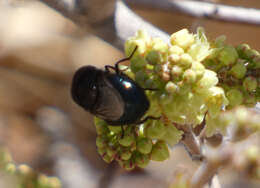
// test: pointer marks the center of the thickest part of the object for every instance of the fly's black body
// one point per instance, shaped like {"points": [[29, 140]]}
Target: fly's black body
{"points": [[110, 95]]}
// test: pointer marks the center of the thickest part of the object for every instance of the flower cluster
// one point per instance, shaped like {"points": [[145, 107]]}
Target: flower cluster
{"points": [[238, 70], [23, 176], [188, 77]]}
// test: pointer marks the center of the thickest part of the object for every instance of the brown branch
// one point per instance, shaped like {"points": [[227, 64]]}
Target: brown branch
{"points": [[205, 9], [115, 24]]}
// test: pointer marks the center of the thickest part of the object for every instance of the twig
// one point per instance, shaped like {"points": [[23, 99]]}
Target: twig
{"points": [[209, 168], [206, 10], [114, 27]]}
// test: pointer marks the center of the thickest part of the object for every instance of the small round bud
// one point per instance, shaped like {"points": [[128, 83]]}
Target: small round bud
{"points": [[101, 141], [160, 151], [175, 50], [154, 57], [198, 68], [250, 83], [241, 48], [174, 58], [208, 80], [253, 153], [127, 165], [172, 135], [115, 129], [108, 159], [155, 129], [137, 63], [144, 145], [159, 45], [101, 126], [171, 87], [166, 76], [235, 97], [126, 155], [182, 38], [228, 55], [10, 168], [251, 53], [185, 60], [127, 140], [238, 70], [176, 71], [189, 76], [111, 152], [142, 160]]}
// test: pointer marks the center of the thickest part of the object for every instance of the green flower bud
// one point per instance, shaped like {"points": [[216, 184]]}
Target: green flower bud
{"points": [[238, 70], [25, 170], [175, 50], [107, 158], [10, 168], [251, 53], [185, 60], [228, 55], [155, 129], [144, 145], [241, 49], [101, 151], [127, 140], [215, 100], [198, 68], [250, 83], [141, 77], [101, 141], [160, 151], [43, 181], [154, 57], [101, 126], [208, 80], [131, 44], [111, 152], [126, 155], [171, 87], [54, 182], [158, 69], [159, 45], [127, 165], [219, 42], [115, 129], [174, 58], [172, 135], [189, 76], [256, 62], [5, 156], [142, 160], [213, 125], [235, 97], [250, 100], [200, 49], [182, 38], [137, 63], [176, 71]]}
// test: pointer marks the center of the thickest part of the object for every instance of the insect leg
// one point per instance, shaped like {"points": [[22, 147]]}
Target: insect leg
{"points": [[107, 67], [147, 118], [151, 89], [125, 59]]}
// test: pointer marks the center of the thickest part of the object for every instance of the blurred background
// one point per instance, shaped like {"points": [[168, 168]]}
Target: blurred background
{"points": [[39, 123]]}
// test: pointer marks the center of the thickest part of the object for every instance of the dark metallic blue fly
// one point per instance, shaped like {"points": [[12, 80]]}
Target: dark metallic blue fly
{"points": [[110, 95]]}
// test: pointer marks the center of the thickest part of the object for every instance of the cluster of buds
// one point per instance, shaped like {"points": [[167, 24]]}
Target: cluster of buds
{"points": [[238, 71], [188, 87], [24, 176]]}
